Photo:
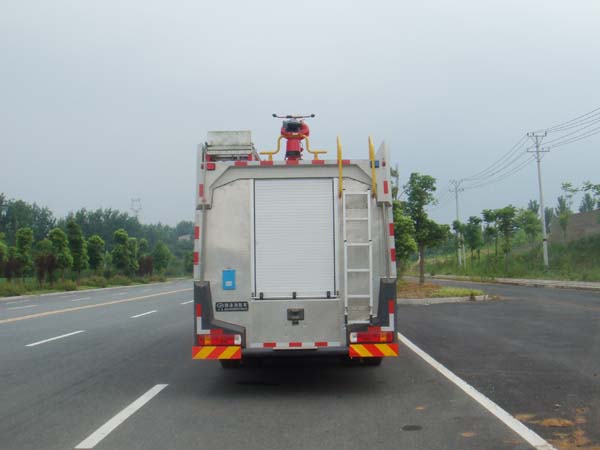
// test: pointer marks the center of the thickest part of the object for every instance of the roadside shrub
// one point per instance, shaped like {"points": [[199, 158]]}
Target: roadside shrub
{"points": [[157, 278], [11, 289], [95, 281], [119, 280], [67, 285]]}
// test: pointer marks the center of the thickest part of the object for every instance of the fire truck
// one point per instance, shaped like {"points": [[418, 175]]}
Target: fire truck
{"points": [[293, 253]]}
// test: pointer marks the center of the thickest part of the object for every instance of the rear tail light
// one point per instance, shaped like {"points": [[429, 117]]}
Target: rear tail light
{"points": [[371, 337], [219, 339]]}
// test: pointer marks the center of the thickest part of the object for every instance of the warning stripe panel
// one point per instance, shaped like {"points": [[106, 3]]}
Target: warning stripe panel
{"points": [[217, 352], [373, 350]]}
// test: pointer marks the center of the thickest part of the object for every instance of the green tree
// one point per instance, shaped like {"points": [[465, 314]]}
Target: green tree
{"points": [[420, 193], [45, 261], [505, 218], [145, 261], [594, 190], [121, 254], [96, 249], [3, 253], [12, 265], [588, 203], [459, 232], [548, 216], [490, 231], [161, 256], [563, 213], [24, 247], [60, 249], [78, 247], [528, 221], [474, 236], [132, 247], [533, 206], [404, 232]]}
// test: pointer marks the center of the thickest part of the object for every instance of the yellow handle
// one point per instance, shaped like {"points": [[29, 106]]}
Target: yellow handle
{"points": [[340, 165], [273, 152], [314, 152], [372, 159]]}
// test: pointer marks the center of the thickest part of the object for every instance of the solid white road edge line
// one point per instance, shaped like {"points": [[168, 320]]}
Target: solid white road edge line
{"points": [[187, 303], [54, 338], [80, 299], [143, 314], [528, 435], [93, 439], [21, 307]]}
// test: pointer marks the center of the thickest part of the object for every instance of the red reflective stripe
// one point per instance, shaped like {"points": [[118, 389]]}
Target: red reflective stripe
{"points": [[201, 190], [295, 344], [196, 258], [211, 166], [198, 310], [269, 344], [373, 350], [393, 254], [292, 162], [266, 163], [386, 188], [196, 232], [216, 331], [391, 229], [345, 162], [318, 161], [321, 344], [370, 329], [391, 308], [217, 352], [240, 163]]}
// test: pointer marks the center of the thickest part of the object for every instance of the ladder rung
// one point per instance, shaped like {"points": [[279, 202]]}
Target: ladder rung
{"points": [[356, 219], [358, 321], [357, 244], [359, 270], [359, 296]]}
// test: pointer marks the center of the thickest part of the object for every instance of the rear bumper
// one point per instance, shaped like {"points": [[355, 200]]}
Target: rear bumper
{"points": [[373, 350], [354, 351]]}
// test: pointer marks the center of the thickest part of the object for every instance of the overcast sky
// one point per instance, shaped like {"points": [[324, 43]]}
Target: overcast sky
{"points": [[104, 101]]}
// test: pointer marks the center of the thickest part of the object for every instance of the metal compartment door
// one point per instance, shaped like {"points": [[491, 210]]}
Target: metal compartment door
{"points": [[294, 238]]}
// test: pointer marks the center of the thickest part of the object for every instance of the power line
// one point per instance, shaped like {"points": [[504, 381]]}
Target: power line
{"points": [[551, 129]]}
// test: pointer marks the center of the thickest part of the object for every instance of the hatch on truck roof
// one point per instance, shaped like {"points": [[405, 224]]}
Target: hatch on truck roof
{"points": [[229, 145]]}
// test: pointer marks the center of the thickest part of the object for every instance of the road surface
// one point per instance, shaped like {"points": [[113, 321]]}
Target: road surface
{"points": [[112, 369]]}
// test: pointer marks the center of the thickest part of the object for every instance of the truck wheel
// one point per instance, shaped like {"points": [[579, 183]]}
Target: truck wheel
{"points": [[372, 361], [230, 363]]}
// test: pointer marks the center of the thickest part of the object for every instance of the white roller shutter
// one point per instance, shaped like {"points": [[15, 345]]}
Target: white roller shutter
{"points": [[294, 237]]}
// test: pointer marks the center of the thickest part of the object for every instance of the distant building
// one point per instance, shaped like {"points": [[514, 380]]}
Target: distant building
{"points": [[185, 237], [581, 225]]}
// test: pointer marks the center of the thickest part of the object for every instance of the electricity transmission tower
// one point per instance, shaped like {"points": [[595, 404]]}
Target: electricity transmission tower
{"points": [[461, 246], [136, 207], [537, 140]]}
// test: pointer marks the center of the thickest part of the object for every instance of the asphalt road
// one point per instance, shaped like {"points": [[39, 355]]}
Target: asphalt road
{"points": [[116, 364], [535, 352]]}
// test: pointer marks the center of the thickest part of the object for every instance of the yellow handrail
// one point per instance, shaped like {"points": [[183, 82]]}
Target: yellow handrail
{"points": [[273, 152], [314, 152], [340, 165], [372, 159]]}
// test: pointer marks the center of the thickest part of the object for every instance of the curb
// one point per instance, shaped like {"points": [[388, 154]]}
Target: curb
{"points": [[439, 301], [554, 284], [50, 294]]}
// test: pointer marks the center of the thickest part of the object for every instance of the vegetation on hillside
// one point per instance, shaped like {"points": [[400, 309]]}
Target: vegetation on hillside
{"points": [[87, 248]]}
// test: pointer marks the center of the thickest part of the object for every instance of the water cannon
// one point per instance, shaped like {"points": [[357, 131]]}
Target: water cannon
{"points": [[294, 130]]}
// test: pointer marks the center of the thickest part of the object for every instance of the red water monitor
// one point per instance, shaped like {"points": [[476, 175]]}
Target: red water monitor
{"points": [[294, 130]]}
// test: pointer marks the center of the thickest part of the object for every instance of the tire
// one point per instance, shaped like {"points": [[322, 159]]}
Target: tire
{"points": [[372, 361], [230, 363]]}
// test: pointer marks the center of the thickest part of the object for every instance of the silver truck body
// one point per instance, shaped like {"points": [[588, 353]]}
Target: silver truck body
{"points": [[286, 259]]}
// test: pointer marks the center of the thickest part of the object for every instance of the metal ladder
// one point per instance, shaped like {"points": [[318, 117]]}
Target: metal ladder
{"points": [[358, 256]]}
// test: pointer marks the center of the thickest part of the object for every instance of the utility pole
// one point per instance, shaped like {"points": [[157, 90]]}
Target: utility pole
{"points": [[460, 246], [537, 140]]}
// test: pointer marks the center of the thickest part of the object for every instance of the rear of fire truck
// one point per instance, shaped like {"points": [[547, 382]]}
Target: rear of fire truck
{"points": [[292, 256]]}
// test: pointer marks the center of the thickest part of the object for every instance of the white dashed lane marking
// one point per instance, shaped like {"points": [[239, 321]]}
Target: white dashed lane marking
{"points": [[143, 314], [54, 338]]}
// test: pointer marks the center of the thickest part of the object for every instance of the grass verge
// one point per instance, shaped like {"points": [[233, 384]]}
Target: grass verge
{"points": [[407, 289]]}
